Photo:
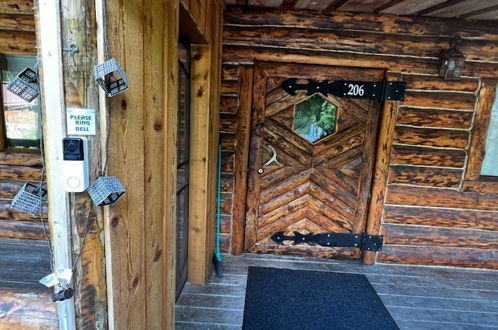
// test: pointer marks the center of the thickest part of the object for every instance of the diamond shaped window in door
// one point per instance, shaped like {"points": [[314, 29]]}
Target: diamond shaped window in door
{"points": [[314, 118]]}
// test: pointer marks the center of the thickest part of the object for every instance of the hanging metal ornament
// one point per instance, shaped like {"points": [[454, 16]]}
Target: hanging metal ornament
{"points": [[106, 190], [25, 85], [29, 199], [111, 77]]}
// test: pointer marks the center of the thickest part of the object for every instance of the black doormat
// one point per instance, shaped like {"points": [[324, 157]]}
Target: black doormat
{"points": [[296, 299]]}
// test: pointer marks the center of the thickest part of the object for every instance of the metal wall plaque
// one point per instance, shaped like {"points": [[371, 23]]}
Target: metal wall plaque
{"points": [[380, 90], [361, 241]]}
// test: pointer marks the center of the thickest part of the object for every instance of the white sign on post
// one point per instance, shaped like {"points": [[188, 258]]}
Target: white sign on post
{"points": [[80, 121]]}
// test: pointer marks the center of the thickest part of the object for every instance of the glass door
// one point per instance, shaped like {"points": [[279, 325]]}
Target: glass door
{"points": [[182, 188]]}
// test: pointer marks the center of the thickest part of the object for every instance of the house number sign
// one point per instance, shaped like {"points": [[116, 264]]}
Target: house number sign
{"points": [[376, 90]]}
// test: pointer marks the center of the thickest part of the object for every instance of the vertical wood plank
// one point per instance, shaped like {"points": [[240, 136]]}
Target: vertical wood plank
{"points": [[242, 159], [79, 27], [126, 161], [480, 129], [381, 170], [170, 98], [155, 126]]}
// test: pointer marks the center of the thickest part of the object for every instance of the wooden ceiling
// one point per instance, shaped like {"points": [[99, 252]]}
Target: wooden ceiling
{"points": [[468, 9]]}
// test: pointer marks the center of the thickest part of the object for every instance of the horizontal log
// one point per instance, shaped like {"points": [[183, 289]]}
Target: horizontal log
{"points": [[427, 156], [425, 176], [229, 104], [17, 22], [17, 6], [434, 118], [227, 162], [22, 159], [420, 196], [358, 41], [429, 83], [431, 137], [9, 189], [227, 141], [229, 86], [228, 122], [434, 236], [25, 173], [441, 217], [488, 187], [22, 229], [247, 54], [225, 240], [439, 256], [27, 310], [226, 203], [419, 26], [17, 42], [226, 224], [230, 71], [6, 212], [446, 100], [227, 182]]}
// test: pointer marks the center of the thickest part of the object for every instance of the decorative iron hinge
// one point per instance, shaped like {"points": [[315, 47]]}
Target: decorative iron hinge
{"points": [[364, 242], [376, 90]]}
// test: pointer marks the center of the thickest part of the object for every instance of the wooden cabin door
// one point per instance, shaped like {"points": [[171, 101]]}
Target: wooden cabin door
{"points": [[311, 159]]}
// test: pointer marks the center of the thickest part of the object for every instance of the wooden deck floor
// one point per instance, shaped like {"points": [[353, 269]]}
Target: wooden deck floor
{"points": [[25, 303], [418, 297]]}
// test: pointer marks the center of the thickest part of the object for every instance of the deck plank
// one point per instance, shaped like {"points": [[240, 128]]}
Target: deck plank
{"points": [[418, 297]]}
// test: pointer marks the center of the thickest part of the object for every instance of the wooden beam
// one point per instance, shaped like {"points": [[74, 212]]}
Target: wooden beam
{"points": [[381, 170], [387, 5], [479, 132], [17, 22], [335, 5], [437, 7], [52, 91], [242, 159], [478, 12], [288, 4]]}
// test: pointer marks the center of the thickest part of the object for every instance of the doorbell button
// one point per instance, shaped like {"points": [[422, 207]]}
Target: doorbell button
{"points": [[75, 164]]}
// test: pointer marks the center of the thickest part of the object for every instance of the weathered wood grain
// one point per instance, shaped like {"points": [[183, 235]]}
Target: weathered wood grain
{"points": [[229, 104], [230, 72], [482, 186], [434, 118], [17, 42], [403, 195], [6, 212], [431, 137], [17, 22], [228, 123], [22, 229], [242, 159], [425, 176], [24, 173], [9, 189], [20, 159], [442, 256], [445, 237], [22, 309], [17, 7], [441, 217], [340, 40], [227, 141], [229, 86], [432, 83], [479, 132], [445, 100], [420, 26], [427, 156]]}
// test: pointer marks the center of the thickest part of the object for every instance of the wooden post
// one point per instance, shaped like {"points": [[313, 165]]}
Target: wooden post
{"points": [[242, 159], [79, 27], [53, 109], [381, 170]]}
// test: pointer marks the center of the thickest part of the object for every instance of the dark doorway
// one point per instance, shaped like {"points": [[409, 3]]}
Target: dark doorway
{"points": [[182, 187]]}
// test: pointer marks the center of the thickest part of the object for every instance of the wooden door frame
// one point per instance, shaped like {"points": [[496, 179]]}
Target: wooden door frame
{"points": [[384, 141]]}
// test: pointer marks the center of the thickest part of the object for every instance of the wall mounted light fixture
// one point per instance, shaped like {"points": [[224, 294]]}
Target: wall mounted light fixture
{"points": [[453, 61]]}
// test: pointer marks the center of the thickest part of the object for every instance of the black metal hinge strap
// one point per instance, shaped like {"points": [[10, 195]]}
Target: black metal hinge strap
{"points": [[362, 241], [375, 90]]}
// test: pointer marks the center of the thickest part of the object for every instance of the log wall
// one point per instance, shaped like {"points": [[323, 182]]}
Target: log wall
{"points": [[17, 36], [435, 210]]}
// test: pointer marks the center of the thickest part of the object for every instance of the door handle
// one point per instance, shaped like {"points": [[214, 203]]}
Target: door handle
{"points": [[272, 160]]}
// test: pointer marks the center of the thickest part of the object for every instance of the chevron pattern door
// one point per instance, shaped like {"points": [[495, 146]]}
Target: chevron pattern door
{"points": [[311, 159]]}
